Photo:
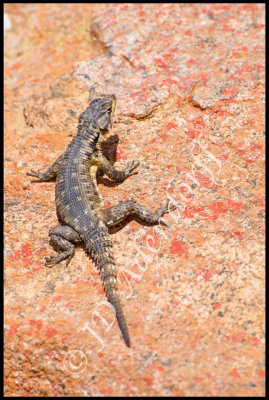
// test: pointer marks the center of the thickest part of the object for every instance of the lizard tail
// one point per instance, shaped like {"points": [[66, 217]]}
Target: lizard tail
{"points": [[115, 301], [105, 263], [108, 274]]}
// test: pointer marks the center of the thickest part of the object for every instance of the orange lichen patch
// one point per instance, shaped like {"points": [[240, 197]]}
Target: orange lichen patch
{"points": [[52, 139], [14, 186]]}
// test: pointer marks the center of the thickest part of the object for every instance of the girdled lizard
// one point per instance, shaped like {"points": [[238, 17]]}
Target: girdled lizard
{"points": [[79, 203]]}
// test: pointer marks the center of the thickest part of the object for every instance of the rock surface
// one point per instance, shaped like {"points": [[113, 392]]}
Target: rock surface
{"points": [[189, 79]]}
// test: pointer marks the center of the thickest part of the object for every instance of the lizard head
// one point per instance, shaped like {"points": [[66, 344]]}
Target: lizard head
{"points": [[101, 112]]}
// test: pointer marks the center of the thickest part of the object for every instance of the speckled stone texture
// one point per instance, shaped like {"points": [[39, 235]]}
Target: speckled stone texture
{"points": [[189, 79]]}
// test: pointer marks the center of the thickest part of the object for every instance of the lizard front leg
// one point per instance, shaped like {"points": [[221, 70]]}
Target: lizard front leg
{"points": [[49, 174], [112, 173]]}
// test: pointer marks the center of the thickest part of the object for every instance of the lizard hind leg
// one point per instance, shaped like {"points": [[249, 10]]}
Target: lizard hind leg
{"points": [[115, 214], [63, 237]]}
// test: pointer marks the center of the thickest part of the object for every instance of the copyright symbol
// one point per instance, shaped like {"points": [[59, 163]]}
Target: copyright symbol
{"points": [[75, 362]]}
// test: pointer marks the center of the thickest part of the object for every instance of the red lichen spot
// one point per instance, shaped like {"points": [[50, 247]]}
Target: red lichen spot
{"points": [[171, 125], [167, 189], [217, 306], [189, 211], [151, 239], [160, 63], [259, 67], [27, 187], [179, 248], [168, 56], [50, 332], [234, 206], [255, 146], [107, 205], [261, 373], [188, 32], [227, 28], [229, 93], [24, 255], [259, 200], [249, 7], [149, 380], [190, 62], [194, 342], [238, 337], [169, 81], [234, 373], [155, 367], [15, 66], [133, 95], [36, 322], [102, 290], [119, 155], [207, 275], [175, 303], [205, 181], [241, 152], [216, 209], [223, 157], [107, 390], [248, 122], [141, 13], [249, 160], [219, 112], [13, 328], [192, 133], [256, 341], [163, 136], [179, 101], [197, 378], [124, 7], [198, 121], [222, 7], [235, 233]]}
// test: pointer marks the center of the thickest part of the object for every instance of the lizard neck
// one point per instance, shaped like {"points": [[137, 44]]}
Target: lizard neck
{"points": [[89, 134]]}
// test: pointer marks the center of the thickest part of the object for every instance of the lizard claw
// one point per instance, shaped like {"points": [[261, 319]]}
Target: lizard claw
{"points": [[35, 174], [130, 168], [166, 208], [50, 261]]}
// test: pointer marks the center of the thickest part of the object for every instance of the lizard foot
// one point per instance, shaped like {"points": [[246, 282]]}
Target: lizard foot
{"points": [[53, 260], [35, 174], [165, 209], [129, 171]]}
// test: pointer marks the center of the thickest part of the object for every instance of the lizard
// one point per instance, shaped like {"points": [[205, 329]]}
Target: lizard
{"points": [[79, 203]]}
